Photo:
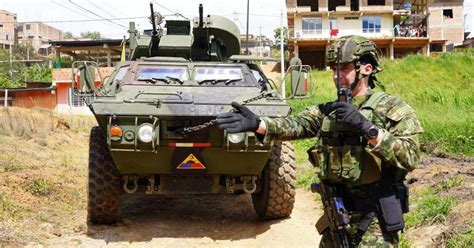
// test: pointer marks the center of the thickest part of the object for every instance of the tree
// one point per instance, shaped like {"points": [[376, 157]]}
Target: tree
{"points": [[277, 32], [92, 35], [16, 73], [68, 35]]}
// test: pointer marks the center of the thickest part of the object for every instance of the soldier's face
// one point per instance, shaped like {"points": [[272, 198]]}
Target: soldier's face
{"points": [[347, 73]]}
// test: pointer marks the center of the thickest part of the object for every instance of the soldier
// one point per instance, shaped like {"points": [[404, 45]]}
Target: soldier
{"points": [[364, 148]]}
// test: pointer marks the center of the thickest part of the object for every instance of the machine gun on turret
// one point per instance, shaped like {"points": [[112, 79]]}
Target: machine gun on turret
{"points": [[212, 38]]}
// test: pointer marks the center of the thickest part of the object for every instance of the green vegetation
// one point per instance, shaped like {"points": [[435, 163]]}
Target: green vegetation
{"points": [[430, 208], [15, 74], [440, 90], [40, 187], [404, 242], [462, 240]]}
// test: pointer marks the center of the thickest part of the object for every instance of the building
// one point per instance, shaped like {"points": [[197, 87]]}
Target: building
{"points": [[7, 28], [469, 19], [446, 24], [398, 27], [256, 47], [38, 34]]}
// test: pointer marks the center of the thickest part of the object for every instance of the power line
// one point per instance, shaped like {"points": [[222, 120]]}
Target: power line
{"points": [[88, 20], [73, 10], [172, 11], [107, 19], [112, 8]]}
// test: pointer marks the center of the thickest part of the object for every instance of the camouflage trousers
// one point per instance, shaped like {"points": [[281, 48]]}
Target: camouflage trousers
{"points": [[373, 237]]}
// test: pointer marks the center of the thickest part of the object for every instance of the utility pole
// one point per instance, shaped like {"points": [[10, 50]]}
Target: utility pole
{"points": [[282, 57], [261, 48], [247, 36]]}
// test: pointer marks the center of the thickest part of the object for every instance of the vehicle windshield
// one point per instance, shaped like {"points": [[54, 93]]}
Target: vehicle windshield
{"points": [[178, 73], [220, 76]]}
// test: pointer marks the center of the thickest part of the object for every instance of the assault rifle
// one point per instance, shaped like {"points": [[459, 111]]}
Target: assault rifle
{"points": [[335, 212]]}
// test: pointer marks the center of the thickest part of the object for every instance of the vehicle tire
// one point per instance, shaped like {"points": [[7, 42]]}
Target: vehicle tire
{"points": [[276, 197], [103, 206]]}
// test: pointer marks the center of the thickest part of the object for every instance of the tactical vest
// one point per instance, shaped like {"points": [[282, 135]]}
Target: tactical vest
{"points": [[341, 152]]}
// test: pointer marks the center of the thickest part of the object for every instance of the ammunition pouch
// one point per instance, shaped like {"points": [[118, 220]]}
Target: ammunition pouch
{"points": [[322, 224], [390, 214]]}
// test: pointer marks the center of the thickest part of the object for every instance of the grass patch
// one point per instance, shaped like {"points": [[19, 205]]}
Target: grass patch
{"points": [[306, 176], [41, 123], [8, 209], [430, 208], [40, 187], [404, 242], [449, 184], [437, 88], [462, 240]]}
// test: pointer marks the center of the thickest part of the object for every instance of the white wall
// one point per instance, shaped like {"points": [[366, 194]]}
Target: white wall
{"points": [[469, 17], [348, 27]]}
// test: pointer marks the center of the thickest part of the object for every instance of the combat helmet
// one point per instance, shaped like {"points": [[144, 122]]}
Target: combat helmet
{"points": [[356, 49]]}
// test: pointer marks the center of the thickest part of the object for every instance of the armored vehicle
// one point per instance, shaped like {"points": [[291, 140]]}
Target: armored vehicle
{"points": [[156, 133]]}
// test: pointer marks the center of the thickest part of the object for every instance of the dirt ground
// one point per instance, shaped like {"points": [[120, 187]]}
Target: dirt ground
{"points": [[187, 221], [43, 196]]}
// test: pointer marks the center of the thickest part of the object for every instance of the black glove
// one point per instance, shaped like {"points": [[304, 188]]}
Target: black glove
{"points": [[241, 120], [325, 108], [348, 114]]}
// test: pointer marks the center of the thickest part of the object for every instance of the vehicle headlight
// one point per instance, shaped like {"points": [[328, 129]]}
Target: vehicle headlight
{"points": [[145, 133], [235, 137]]}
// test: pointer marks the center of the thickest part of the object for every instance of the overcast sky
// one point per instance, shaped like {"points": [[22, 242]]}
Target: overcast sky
{"points": [[264, 13]]}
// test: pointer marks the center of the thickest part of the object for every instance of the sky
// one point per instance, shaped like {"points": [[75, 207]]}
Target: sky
{"points": [[57, 13]]}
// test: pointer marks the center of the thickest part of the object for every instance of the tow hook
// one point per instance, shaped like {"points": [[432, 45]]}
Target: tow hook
{"points": [[249, 180], [126, 180]]}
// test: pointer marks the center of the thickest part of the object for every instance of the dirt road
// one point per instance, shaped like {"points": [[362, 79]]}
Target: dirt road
{"points": [[199, 221]]}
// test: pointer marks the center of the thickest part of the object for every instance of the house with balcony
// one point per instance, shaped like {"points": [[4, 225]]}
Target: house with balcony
{"points": [[397, 27]]}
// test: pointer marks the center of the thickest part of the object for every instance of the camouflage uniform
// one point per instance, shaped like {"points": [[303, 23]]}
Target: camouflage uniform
{"points": [[398, 151]]}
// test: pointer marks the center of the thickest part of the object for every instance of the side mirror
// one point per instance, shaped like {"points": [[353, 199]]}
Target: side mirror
{"points": [[300, 83], [83, 77]]}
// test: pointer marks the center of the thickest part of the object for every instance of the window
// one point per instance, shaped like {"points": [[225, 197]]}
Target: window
{"points": [[77, 101], [351, 18], [312, 25], [1, 25], [312, 3], [27, 27], [20, 28], [448, 13], [180, 72], [371, 24], [334, 3], [376, 2]]}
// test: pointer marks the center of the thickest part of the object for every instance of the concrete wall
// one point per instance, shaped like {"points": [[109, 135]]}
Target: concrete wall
{"points": [[347, 27], [37, 34], [441, 28], [8, 21]]}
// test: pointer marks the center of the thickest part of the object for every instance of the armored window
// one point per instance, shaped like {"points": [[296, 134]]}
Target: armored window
{"points": [[222, 76], [371, 24], [448, 13], [149, 72], [312, 25]]}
